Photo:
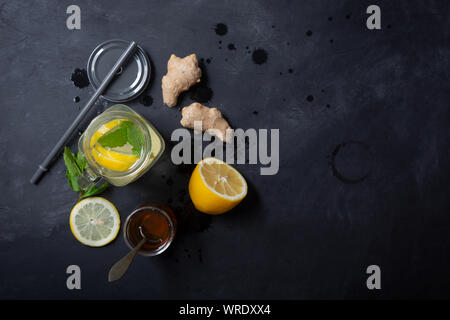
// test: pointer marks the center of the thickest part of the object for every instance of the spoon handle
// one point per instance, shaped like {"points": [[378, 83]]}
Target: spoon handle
{"points": [[120, 267]]}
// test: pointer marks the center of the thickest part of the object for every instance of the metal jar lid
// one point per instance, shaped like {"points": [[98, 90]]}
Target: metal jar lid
{"points": [[134, 74]]}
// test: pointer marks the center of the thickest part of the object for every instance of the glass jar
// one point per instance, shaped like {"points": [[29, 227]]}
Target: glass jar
{"points": [[156, 222], [118, 165]]}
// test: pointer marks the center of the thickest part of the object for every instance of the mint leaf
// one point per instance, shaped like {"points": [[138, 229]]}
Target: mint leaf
{"points": [[72, 169], [94, 190], [73, 182], [71, 162], [135, 138], [75, 165], [81, 161], [116, 138], [126, 124], [127, 132]]}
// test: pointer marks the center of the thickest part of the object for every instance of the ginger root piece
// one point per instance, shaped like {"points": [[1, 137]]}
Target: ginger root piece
{"points": [[182, 73], [211, 119]]}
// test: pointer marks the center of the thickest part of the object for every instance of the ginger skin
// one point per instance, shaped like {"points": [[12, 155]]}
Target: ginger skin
{"points": [[211, 119], [182, 73]]}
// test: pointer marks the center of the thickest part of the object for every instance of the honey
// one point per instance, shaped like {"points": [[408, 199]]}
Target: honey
{"points": [[154, 221]]}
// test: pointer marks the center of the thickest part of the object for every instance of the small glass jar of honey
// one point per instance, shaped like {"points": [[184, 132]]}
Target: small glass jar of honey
{"points": [[154, 221]]}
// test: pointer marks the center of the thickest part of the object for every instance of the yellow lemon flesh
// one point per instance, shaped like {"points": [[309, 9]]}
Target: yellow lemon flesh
{"points": [[94, 221], [107, 158], [216, 187]]}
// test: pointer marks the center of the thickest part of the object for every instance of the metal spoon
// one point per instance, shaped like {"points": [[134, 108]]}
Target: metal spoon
{"points": [[120, 267]]}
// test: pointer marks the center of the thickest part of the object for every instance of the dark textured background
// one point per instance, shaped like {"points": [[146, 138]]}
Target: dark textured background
{"points": [[364, 174]]}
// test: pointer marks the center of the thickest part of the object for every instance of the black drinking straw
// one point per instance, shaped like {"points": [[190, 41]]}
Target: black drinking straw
{"points": [[43, 167]]}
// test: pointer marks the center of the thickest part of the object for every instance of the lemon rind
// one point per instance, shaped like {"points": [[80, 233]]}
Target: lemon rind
{"points": [[244, 183], [89, 243]]}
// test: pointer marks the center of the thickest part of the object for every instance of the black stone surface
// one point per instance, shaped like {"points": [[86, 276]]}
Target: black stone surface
{"points": [[364, 149]]}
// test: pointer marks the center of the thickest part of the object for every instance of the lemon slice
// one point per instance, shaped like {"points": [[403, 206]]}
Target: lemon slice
{"points": [[116, 155], [216, 187], [94, 221], [110, 159], [113, 160]]}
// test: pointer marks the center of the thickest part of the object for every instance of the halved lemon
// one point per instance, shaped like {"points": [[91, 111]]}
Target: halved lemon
{"points": [[216, 187], [94, 221]]}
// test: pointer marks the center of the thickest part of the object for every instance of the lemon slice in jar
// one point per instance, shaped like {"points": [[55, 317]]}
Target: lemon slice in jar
{"points": [[112, 159]]}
